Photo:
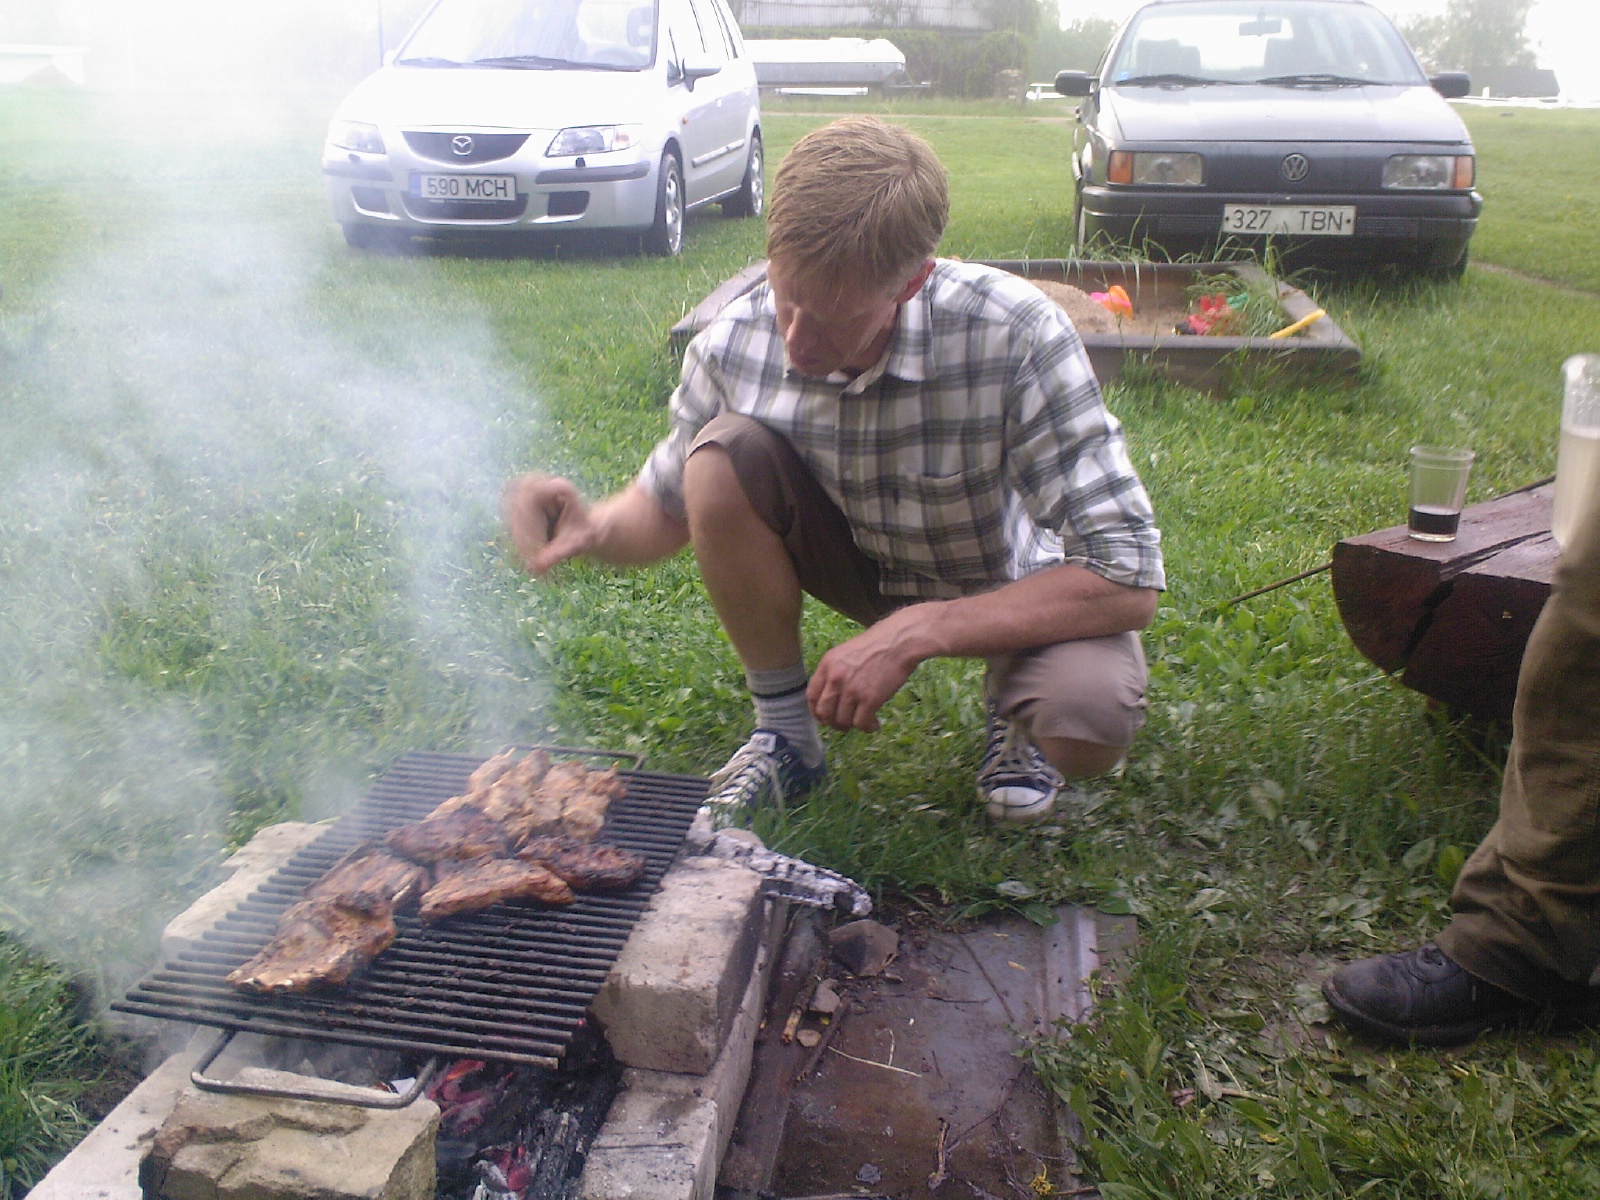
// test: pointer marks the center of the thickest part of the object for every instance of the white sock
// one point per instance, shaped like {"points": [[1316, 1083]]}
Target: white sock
{"points": [[780, 699]]}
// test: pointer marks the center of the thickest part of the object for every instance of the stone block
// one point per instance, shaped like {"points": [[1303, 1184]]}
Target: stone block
{"points": [[665, 1135], [247, 869], [222, 1147], [669, 999]]}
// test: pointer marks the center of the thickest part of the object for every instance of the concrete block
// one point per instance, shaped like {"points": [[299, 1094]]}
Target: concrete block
{"points": [[665, 1135], [248, 868], [105, 1165], [668, 1002], [222, 1147]]}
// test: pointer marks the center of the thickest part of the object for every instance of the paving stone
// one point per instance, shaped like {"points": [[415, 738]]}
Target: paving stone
{"points": [[673, 991], [222, 1147]]}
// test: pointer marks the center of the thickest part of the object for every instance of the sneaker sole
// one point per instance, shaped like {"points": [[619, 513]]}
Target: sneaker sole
{"points": [[1017, 814]]}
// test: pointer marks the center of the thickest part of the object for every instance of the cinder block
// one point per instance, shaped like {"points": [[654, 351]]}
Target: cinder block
{"points": [[668, 1002], [248, 868], [665, 1135]]}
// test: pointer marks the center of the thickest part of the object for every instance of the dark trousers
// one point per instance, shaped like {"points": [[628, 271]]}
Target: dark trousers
{"points": [[1527, 903]]}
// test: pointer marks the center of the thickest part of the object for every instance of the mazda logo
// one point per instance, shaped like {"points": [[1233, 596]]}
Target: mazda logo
{"points": [[1295, 168], [461, 146]]}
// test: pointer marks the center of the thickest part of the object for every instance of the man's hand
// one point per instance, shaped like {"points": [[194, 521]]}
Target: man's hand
{"points": [[548, 520], [855, 679]]}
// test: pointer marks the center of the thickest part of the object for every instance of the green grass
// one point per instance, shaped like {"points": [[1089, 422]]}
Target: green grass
{"points": [[249, 554], [1537, 175]]}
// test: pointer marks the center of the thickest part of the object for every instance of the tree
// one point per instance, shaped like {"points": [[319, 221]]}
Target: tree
{"points": [[1481, 37]]}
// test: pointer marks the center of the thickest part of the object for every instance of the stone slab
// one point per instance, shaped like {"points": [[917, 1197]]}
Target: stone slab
{"points": [[673, 991], [247, 869], [105, 1165], [222, 1147], [666, 1133]]}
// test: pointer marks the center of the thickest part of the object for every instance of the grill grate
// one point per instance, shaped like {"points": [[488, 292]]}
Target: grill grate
{"points": [[509, 983]]}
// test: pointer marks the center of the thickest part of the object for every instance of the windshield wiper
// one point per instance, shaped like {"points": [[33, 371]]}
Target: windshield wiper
{"points": [[523, 62], [1171, 79], [1317, 79], [427, 62]]}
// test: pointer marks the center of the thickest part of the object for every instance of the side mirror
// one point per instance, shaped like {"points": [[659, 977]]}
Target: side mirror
{"points": [[1074, 83], [1452, 85], [698, 66]]}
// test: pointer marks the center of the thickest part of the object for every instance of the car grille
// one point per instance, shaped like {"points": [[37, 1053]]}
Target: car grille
{"points": [[466, 210], [482, 147]]}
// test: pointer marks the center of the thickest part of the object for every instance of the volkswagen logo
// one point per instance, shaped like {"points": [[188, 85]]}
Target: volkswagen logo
{"points": [[1294, 168], [461, 146]]}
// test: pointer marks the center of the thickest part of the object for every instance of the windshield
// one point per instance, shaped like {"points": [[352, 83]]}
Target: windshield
{"points": [[532, 35], [1290, 43]]}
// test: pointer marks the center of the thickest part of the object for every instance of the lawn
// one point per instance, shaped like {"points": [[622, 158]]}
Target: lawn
{"points": [[249, 554]]}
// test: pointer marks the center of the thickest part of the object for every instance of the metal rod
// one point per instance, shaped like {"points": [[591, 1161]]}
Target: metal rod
{"points": [[358, 1098]]}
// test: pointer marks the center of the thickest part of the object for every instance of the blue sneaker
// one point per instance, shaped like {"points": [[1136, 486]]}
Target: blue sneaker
{"points": [[1015, 782], [766, 766]]}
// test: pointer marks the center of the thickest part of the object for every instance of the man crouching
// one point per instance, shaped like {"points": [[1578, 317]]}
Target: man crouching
{"points": [[920, 444]]}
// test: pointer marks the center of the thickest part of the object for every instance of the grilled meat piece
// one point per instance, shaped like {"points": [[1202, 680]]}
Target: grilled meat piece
{"points": [[371, 880], [587, 866], [507, 789], [463, 833], [318, 942], [585, 796], [468, 886]]}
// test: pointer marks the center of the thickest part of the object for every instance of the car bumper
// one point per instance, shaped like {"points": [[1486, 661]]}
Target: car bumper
{"points": [[1126, 214], [376, 190]]}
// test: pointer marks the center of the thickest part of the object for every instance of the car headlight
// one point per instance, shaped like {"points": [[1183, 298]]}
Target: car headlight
{"points": [[356, 135], [1166, 168], [1428, 172], [592, 139]]}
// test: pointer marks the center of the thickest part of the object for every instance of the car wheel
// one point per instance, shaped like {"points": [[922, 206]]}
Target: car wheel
{"points": [[1080, 224], [751, 197], [1447, 261], [665, 237]]}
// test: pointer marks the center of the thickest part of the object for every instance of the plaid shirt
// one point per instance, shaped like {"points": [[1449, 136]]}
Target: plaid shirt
{"points": [[977, 451]]}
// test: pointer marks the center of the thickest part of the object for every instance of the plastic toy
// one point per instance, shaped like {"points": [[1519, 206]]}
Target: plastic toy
{"points": [[1114, 300]]}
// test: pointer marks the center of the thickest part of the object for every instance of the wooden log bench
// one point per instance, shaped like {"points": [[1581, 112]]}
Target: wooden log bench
{"points": [[1452, 617]]}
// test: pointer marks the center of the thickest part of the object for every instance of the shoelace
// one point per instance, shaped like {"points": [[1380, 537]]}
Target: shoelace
{"points": [[743, 775], [1012, 754]]}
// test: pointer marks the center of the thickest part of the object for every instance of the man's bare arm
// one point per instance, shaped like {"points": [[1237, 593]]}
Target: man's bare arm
{"points": [[856, 678], [551, 522]]}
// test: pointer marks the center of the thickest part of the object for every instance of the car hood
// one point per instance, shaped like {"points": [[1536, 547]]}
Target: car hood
{"points": [[1253, 113], [481, 98]]}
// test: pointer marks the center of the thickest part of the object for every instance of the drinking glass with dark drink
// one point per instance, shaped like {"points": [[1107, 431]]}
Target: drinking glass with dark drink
{"points": [[1438, 491]]}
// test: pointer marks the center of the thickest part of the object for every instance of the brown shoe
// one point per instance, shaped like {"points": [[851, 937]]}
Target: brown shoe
{"points": [[1421, 996]]}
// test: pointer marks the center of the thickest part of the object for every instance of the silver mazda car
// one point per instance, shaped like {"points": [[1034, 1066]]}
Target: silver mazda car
{"points": [[502, 115], [1308, 122]]}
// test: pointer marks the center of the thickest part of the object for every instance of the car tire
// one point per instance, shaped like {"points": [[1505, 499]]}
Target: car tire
{"points": [[1080, 225], [665, 237], [751, 197], [1447, 261]]}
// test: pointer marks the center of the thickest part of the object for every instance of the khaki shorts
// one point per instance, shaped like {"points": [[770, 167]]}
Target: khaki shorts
{"points": [[1090, 690]]}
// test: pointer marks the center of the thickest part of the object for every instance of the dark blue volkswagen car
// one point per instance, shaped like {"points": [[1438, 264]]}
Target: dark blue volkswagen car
{"points": [[1306, 122]]}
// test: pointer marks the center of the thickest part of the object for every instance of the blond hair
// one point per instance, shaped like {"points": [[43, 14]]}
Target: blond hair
{"points": [[858, 202]]}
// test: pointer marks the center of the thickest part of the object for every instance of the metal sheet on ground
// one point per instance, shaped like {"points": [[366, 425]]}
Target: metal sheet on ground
{"points": [[921, 1083]]}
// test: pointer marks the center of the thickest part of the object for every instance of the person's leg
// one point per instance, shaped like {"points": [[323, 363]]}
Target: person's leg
{"points": [[764, 532], [1527, 903], [1080, 703], [1525, 935]]}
